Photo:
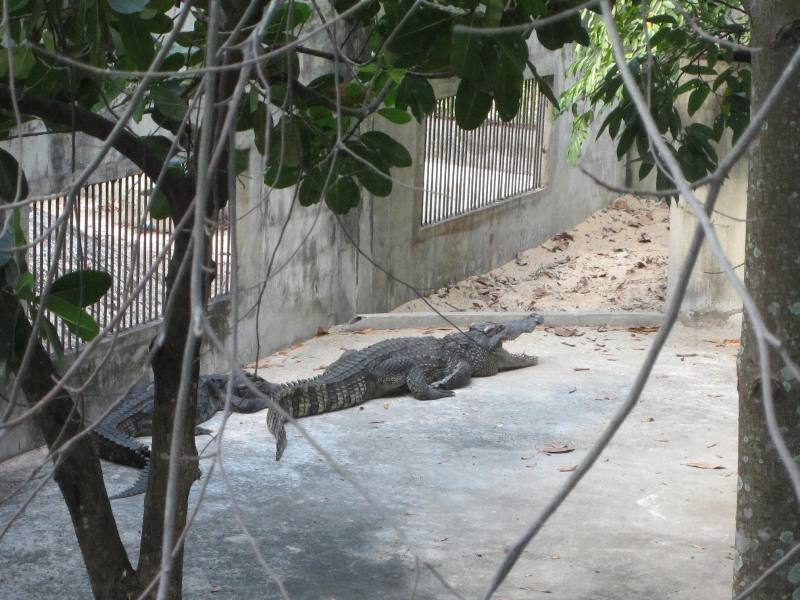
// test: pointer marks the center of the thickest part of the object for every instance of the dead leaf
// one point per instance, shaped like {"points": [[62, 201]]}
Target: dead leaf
{"points": [[365, 330], [322, 331], [557, 448], [643, 329], [565, 331], [702, 465], [581, 369], [567, 469]]}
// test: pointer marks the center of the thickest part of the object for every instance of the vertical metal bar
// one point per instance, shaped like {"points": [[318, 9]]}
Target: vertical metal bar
{"points": [[459, 182], [151, 239], [134, 184], [536, 142], [480, 160], [533, 141], [447, 165], [426, 165], [440, 175], [542, 145]]}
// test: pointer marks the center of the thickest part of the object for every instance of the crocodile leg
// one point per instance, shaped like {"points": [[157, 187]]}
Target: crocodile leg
{"points": [[417, 382], [458, 377]]}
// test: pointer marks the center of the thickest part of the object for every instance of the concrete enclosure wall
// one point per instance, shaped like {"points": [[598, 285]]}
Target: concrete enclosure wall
{"points": [[318, 277], [709, 295]]}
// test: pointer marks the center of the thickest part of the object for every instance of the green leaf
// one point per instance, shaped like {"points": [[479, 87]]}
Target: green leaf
{"points": [[535, 8], [465, 52], [286, 143], [24, 62], [395, 115], [137, 41], [644, 169], [24, 285], [343, 195], [416, 93], [168, 101], [698, 70], [80, 288], [472, 106], [6, 246], [78, 321], [9, 171], [513, 49], [656, 19], [128, 7], [159, 206], [697, 98], [544, 86], [557, 35], [626, 140], [388, 148], [374, 180], [281, 176], [48, 332], [311, 188], [507, 89]]}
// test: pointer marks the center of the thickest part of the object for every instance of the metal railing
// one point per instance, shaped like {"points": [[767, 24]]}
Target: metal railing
{"points": [[110, 229], [469, 170]]}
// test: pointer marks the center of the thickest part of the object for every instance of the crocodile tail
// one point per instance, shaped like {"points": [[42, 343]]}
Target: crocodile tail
{"points": [[276, 424], [139, 486]]}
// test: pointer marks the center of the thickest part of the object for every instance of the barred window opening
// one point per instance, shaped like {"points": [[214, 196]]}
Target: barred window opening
{"points": [[468, 170], [109, 229]]}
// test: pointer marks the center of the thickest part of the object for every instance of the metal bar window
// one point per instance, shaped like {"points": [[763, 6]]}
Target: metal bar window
{"points": [[109, 229], [466, 171]]}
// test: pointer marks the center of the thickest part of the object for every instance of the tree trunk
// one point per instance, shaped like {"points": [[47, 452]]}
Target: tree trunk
{"points": [[167, 373], [767, 515], [167, 362], [79, 475]]}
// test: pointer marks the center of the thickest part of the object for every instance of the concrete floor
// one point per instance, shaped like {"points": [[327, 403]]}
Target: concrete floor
{"points": [[462, 476]]}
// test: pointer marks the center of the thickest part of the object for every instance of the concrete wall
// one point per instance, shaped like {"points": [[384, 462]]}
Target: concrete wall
{"points": [[709, 295], [47, 158], [318, 278], [434, 256]]}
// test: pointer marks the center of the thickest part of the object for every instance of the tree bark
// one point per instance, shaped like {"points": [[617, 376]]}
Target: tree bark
{"points": [[79, 475], [167, 362], [167, 373], [767, 516]]}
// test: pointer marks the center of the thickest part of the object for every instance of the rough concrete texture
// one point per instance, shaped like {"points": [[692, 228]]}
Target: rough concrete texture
{"points": [[461, 477]]}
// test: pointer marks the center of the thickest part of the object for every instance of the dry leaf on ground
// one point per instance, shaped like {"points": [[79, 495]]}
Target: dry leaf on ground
{"points": [[703, 465], [558, 448], [567, 469], [643, 329], [565, 331]]}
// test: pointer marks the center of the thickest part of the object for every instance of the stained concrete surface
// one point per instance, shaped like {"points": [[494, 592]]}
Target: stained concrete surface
{"points": [[461, 477]]}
